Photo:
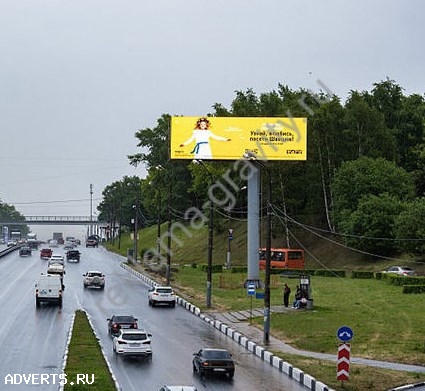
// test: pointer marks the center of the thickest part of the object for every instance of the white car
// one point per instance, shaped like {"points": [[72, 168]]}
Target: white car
{"points": [[53, 243], [178, 388], [132, 343], [56, 265], [94, 278], [56, 258], [161, 295]]}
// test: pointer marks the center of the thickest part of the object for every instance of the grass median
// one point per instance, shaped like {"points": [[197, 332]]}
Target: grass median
{"points": [[86, 367]]}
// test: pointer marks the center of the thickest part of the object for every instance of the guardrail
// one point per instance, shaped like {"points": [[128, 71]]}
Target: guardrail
{"points": [[54, 220], [9, 249]]}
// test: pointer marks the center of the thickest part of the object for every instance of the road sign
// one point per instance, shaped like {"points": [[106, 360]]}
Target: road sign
{"points": [[343, 368], [230, 233], [345, 334], [251, 289], [259, 295]]}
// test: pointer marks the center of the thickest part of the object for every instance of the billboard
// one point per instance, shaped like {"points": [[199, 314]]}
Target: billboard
{"points": [[229, 138]]}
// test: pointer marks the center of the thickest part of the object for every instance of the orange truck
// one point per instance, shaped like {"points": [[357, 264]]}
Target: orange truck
{"points": [[282, 258]]}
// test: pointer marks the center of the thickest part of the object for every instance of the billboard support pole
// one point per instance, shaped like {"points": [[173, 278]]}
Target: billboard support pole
{"points": [[253, 228]]}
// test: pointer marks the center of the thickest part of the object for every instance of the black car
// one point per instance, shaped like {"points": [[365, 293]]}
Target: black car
{"points": [[117, 322], [73, 255], [213, 361], [92, 243], [25, 251]]}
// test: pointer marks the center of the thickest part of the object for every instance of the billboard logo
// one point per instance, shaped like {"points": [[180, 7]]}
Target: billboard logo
{"points": [[294, 151]]}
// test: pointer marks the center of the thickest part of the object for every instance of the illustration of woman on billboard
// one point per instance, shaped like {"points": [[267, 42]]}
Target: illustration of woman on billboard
{"points": [[201, 135]]}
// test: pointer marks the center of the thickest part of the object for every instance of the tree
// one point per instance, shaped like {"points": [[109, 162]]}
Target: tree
{"points": [[370, 227], [409, 228], [367, 176], [367, 193], [155, 141], [9, 213], [365, 133], [119, 198]]}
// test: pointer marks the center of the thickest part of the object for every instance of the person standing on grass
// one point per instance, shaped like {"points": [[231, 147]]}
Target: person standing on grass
{"points": [[286, 293]]}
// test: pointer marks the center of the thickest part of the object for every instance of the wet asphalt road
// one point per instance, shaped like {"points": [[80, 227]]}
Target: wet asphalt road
{"points": [[33, 340]]}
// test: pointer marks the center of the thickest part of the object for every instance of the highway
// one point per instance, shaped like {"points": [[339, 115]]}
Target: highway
{"points": [[33, 340]]}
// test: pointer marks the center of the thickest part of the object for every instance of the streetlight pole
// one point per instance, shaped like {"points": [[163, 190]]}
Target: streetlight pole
{"points": [[170, 196], [158, 229], [136, 230], [91, 208], [210, 239]]}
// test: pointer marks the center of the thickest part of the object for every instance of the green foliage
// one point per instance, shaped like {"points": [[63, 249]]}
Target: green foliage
{"points": [[394, 279], [362, 274], [369, 194], [9, 213], [330, 273], [370, 227], [409, 228], [365, 131], [214, 269], [371, 145], [413, 289], [119, 199]]}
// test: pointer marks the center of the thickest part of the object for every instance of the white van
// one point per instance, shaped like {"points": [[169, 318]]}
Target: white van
{"points": [[48, 288]]}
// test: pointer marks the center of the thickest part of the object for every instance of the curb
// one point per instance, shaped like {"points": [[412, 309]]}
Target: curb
{"points": [[284, 367], [408, 387]]}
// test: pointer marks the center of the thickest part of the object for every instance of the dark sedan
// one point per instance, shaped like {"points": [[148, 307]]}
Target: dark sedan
{"points": [[117, 322], [213, 361], [25, 251], [73, 255]]}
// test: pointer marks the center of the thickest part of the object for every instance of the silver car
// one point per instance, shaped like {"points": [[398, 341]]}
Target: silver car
{"points": [[400, 270]]}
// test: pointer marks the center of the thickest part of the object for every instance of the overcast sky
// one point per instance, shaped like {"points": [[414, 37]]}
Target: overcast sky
{"points": [[78, 78]]}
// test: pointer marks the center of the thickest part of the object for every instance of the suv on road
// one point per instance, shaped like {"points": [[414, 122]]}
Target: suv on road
{"points": [[132, 343], [213, 361], [161, 295], [94, 278]]}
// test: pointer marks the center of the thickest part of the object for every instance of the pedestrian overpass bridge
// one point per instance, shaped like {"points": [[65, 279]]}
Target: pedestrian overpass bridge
{"points": [[54, 220]]}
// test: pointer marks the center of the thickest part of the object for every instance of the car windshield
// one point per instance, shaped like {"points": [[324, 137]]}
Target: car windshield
{"points": [[95, 274], [134, 337], [123, 319], [164, 290], [216, 354]]}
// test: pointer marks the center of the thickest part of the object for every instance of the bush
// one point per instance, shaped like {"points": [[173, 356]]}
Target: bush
{"points": [[413, 289], [330, 273], [362, 274]]}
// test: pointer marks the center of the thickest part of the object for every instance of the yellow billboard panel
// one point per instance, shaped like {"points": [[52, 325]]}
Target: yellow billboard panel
{"points": [[229, 138]]}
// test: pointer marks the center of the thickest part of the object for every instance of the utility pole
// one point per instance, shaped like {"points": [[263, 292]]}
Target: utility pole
{"points": [[91, 209]]}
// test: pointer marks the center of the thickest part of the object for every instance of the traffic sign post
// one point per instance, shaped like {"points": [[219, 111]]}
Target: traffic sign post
{"points": [[343, 370], [344, 334], [251, 293], [229, 240]]}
